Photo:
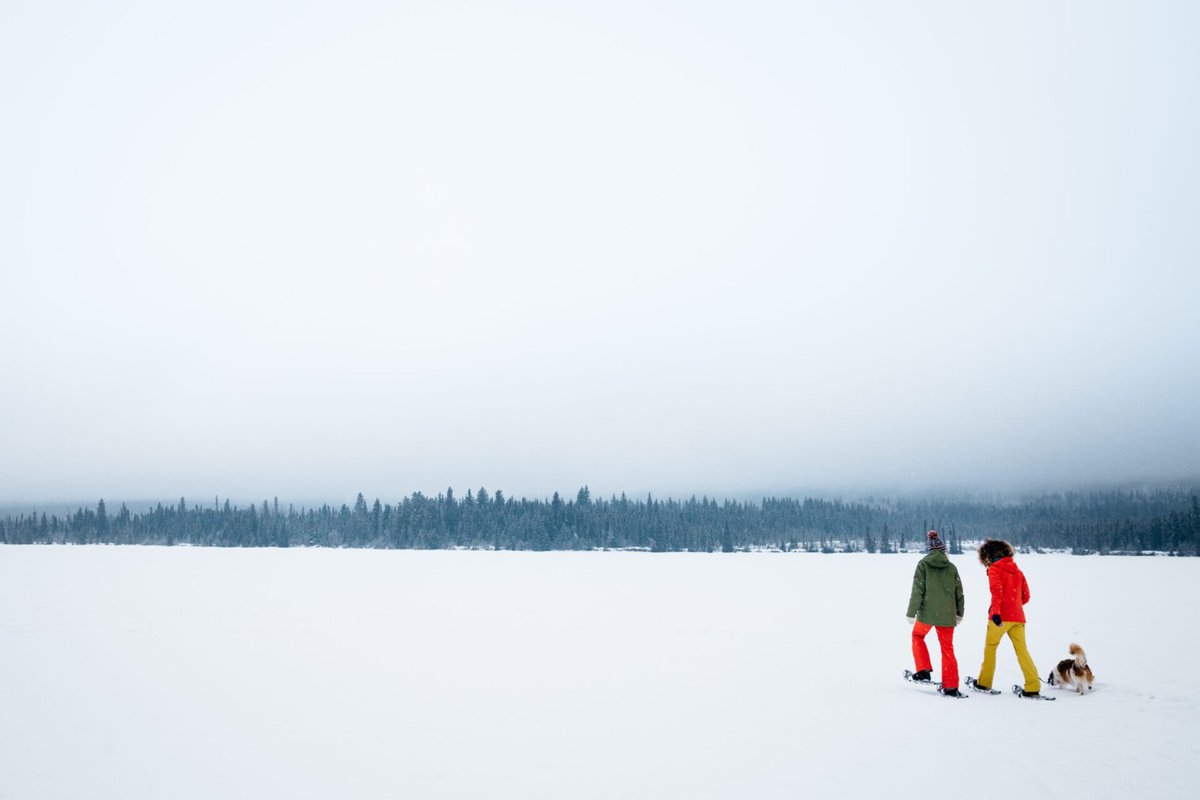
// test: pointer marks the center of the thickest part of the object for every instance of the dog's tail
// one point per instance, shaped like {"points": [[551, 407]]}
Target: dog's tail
{"points": [[1080, 656]]}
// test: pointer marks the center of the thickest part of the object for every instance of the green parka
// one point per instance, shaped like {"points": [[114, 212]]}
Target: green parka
{"points": [[937, 593]]}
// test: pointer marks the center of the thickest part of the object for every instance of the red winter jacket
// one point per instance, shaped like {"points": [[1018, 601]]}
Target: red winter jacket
{"points": [[1009, 590]]}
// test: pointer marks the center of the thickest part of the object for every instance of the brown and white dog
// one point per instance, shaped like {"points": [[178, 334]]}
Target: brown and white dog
{"points": [[1073, 671]]}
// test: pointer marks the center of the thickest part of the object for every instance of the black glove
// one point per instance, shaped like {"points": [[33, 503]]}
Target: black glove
{"points": [[996, 619]]}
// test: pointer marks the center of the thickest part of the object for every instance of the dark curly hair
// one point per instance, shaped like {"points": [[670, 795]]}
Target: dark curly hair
{"points": [[992, 550]]}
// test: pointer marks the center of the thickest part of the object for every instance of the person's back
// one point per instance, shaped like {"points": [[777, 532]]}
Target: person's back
{"points": [[940, 600], [1010, 591]]}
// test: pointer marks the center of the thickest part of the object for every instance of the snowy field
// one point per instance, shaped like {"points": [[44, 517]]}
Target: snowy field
{"points": [[138, 672]]}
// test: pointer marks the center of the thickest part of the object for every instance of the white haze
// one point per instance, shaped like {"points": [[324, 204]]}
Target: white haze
{"points": [[307, 249]]}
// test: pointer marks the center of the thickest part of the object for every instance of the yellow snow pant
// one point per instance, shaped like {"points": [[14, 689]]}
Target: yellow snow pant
{"points": [[1016, 633]]}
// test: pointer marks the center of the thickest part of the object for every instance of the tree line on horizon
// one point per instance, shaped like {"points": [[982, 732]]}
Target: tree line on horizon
{"points": [[1083, 522]]}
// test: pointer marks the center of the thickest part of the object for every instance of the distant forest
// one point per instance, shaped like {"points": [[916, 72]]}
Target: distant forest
{"points": [[1166, 521]]}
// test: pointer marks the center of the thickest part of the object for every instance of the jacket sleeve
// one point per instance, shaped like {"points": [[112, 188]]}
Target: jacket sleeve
{"points": [[996, 585], [1024, 589], [958, 595], [918, 591]]}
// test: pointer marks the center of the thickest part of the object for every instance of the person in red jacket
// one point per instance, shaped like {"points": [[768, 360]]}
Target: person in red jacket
{"points": [[1006, 614]]}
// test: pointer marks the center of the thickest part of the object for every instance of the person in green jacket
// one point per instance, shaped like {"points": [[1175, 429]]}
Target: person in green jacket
{"points": [[936, 602]]}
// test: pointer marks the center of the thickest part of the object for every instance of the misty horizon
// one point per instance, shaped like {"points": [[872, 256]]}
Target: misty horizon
{"points": [[994, 494]]}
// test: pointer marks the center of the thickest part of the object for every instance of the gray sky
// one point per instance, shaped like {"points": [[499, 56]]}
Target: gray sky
{"points": [[307, 249]]}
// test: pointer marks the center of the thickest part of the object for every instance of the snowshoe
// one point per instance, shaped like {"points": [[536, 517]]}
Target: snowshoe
{"points": [[978, 687], [1020, 692], [911, 677]]}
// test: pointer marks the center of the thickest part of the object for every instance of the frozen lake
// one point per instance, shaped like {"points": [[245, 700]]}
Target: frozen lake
{"points": [[139, 672]]}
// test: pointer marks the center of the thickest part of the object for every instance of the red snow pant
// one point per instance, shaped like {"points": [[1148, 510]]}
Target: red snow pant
{"points": [[921, 652]]}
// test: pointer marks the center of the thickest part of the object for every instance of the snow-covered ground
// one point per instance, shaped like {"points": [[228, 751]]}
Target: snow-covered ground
{"points": [[137, 672]]}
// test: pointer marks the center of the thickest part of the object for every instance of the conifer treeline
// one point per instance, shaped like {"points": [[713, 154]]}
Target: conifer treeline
{"points": [[1164, 521]]}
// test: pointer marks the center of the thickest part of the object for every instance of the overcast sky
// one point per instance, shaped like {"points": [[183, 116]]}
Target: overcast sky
{"points": [[305, 249]]}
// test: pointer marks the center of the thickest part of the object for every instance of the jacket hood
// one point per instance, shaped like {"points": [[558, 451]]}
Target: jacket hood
{"points": [[1005, 564], [937, 559]]}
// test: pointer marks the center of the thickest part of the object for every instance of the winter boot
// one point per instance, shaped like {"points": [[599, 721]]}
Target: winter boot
{"points": [[977, 686], [922, 676], [952, 692], [1034, 695]]}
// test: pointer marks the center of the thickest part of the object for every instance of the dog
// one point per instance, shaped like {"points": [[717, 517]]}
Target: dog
{"points": [[1073, 671]]}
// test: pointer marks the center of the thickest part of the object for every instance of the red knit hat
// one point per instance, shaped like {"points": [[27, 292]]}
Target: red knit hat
{"points": [[935, 541]]}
